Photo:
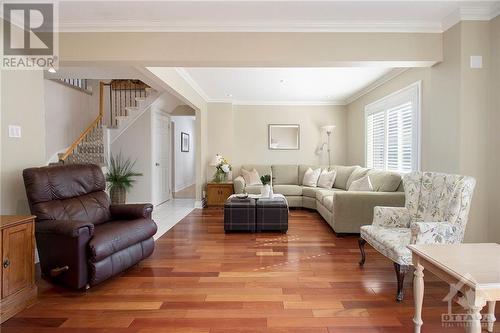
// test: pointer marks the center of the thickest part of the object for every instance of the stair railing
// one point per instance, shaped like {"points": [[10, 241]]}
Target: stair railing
{"points": [[124, 94], [90, 130]]}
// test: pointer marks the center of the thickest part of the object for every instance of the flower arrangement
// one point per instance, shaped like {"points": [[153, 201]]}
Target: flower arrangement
{"points": [[222, 169]]}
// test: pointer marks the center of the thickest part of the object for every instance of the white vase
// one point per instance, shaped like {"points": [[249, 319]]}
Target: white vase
{"points": [[271, 192], [264, 191]]}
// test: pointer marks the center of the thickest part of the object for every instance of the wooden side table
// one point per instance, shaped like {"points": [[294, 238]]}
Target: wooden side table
{"points": [[472, 269], [217, 193], [17, 245]]}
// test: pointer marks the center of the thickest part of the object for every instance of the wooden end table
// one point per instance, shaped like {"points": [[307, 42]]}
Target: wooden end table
{"points": [[472, 269], [217, 193], [17, 271]]}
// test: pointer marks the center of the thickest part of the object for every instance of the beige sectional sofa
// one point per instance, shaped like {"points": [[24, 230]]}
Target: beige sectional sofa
{"points": [[345, 211]]}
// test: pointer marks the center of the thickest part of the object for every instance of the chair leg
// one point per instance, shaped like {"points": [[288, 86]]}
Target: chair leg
{"points": [[400, 275], [361, 243]]}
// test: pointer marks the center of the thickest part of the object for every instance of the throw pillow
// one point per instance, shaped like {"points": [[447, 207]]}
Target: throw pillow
{"points": [[327, 178], [311, 177], [251, 177], [361, 184]]}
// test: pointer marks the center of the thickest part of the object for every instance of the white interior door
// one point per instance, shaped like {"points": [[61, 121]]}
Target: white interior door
{"points": [[161, 158]]}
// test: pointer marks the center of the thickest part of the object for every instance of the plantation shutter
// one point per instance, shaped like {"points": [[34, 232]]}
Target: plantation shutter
{"points": [[376, 139], [392, 131]]}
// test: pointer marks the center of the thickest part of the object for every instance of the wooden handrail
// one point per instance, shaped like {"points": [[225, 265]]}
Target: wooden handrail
{"points": [[89, 129]]}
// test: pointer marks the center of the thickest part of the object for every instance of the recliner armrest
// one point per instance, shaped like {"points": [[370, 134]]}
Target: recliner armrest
{"points": [[131, 211], [63, 227]]}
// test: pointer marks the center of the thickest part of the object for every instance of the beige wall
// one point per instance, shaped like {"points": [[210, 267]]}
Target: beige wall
{"points": [[493, 164], [136, 144], [458, 123], [68, 112], [240, 133], [249, 48], [29, 150], [474, 113], [221, 133]]}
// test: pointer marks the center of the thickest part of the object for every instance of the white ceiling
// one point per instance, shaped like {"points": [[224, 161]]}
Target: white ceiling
{"points": [[283, 85], [262, 15]]}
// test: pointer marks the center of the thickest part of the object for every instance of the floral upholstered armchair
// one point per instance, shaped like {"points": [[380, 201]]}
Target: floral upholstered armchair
{"points": [[436, 211]]}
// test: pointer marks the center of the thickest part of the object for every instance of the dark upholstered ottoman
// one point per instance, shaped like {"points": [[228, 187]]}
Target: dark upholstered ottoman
{"points": [[272, 215], [239, 215]]}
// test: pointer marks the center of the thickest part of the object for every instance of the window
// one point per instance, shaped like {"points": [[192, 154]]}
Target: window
{"points": [[392, 127]]}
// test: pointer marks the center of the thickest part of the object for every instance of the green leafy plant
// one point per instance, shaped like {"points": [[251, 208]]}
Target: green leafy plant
{"points": [[121, 173], [265, 179]]}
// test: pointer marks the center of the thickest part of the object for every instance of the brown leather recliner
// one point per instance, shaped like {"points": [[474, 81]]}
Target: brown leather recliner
{"points": [[77, 227]]}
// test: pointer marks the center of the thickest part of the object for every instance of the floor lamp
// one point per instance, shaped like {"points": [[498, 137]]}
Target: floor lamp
{"points": [[329, 129]]}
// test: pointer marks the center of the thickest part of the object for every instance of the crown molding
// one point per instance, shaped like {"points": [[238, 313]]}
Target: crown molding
{"points": [[377, 83], [480, 12], [288, 103], [495, 11], [189, 80], [471, 13], [255, 26]]}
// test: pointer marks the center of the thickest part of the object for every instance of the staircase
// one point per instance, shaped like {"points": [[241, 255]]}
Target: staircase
{"points": [[126, 101]]}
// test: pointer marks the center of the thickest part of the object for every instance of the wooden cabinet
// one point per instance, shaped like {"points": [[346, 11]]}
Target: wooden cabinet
{"points": [[17, 246], [217, 193]]}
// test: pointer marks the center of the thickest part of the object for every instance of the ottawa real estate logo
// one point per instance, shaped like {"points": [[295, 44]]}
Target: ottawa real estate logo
{"points": [[29, 37]]}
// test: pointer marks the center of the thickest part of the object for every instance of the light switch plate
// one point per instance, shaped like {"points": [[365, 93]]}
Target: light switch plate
{"points": [[14, 131], [476, 61]]}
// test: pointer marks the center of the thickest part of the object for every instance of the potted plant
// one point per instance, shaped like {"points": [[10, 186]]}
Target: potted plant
{"points": [[265, 191], [120, 178]]}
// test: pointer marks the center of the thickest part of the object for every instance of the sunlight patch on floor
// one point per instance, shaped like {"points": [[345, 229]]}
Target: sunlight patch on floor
{"points": [[170, 213]]}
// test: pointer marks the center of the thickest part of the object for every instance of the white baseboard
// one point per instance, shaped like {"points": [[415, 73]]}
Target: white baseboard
{"points": [[182, 187], [198, 204]]}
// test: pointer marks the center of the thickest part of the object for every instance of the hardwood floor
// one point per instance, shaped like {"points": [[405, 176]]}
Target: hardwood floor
{"points": [[200, 280]]}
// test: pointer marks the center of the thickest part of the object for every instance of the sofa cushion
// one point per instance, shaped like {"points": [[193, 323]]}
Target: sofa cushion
{"points": [[262, 169], [253, 189], [328, 202], [362, 184], [327, 178], [343, 174], [288, 189], [321, 193], [303, 168], [384, 181], [111, 237], [311, 177], [285, 174], [309, 191], [357, 174], [251, 177]]}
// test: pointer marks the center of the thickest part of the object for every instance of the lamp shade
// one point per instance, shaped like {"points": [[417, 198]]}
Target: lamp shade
{"points": [[216, 160]]}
